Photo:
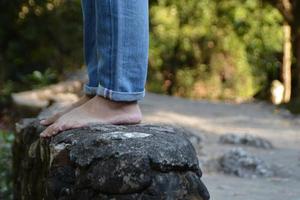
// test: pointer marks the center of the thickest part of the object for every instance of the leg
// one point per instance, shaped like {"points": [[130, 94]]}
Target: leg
{"points": [[122, 46], [90, 44], [90, 54], [122, 49]]}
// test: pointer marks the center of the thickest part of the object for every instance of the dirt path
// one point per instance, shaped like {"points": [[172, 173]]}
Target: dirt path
{"points": [[259, 119]]}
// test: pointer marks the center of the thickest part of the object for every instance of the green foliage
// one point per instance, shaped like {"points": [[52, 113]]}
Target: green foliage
{"points": [[35, 36], [5, 91], [213, 48], [224, 49], [38, 79], [6, 140]]}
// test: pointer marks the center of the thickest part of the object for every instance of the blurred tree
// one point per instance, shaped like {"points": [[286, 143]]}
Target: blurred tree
{"points": [[213, 48], [287, 57], [199, 48], [38, 35], [290, 10]]}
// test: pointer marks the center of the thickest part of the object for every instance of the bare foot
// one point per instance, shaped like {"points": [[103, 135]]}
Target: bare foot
{"points": [[53, 118], [96, 111]]}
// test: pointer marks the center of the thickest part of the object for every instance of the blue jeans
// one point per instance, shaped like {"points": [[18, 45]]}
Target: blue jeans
{"points": [[116, 37]]}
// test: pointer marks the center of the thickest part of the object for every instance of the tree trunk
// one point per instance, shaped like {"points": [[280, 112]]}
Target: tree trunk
{"points": [[296, 45], [290, 10], [287, 62], [297, 56]]}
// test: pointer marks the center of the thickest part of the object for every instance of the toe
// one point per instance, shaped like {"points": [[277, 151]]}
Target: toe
{"points": [[64, 127], [45, 122], [49, 120], [50, 131], [70, 125], [79, 125]]}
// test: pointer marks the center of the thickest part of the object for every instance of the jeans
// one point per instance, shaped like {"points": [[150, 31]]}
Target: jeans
{"points": [[116, 37]]}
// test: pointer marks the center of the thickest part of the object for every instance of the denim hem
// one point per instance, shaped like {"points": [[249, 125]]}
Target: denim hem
{"points": [[114, 95], [89, 90]]}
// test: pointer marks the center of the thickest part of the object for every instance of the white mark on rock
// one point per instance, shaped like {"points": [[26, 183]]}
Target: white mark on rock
{"points": [[55, 149], [124, 135], [59, 147]]}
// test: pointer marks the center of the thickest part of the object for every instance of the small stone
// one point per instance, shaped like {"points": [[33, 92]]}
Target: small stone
{"points": [[247, 140], [241, 163]]}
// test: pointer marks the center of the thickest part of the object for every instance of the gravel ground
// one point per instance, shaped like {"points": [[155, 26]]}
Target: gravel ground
{"points": [[211, 120]]}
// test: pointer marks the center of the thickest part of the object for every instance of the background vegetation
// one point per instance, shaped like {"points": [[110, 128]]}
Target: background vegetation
{"points": [[6, 140], [199, 48], [213, 49]]}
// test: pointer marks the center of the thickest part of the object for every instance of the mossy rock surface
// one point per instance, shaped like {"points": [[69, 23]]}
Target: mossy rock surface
{"points": [[106, 162]]}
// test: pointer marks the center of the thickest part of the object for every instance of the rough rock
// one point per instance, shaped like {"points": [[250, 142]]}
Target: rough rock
{"points": [[247, 140], [148, 162], [241, 163], [196, 140]]}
